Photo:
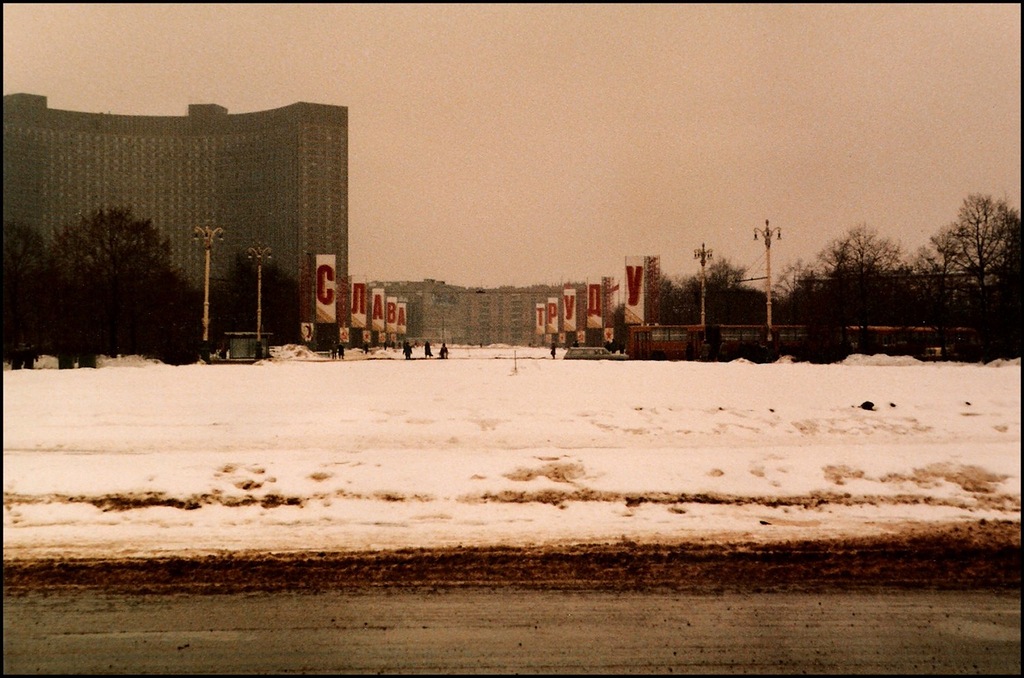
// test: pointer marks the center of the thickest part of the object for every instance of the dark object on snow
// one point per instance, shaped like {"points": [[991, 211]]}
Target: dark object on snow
{"points": [[867, 405], [25, 357], [765, 522]]}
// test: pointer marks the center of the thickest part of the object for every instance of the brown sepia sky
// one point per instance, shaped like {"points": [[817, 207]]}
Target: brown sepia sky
{"points": [[519, 144]]}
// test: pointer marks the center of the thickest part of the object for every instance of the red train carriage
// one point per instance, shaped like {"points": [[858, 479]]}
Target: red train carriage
{"points": [[817, 344]]}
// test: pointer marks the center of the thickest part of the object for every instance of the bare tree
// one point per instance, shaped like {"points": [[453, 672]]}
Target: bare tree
{"points": [[980, 241], [934, 285], [108, 261], [795, 285], [1007, 310], [729, 300], [680, 300], [24, 267], [857, 266]]}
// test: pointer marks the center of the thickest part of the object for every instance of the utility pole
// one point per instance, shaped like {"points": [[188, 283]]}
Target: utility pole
{"points": [[207, 235], [767, 233], [703, 255], [256, 253]]}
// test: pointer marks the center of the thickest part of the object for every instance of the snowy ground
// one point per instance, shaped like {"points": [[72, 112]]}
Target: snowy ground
{"points": [[496, 446]]}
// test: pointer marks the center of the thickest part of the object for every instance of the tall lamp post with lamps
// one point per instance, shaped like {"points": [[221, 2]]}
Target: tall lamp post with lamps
{"points": [[257, 253], [703, 255], [207, 235], [767, 233]]}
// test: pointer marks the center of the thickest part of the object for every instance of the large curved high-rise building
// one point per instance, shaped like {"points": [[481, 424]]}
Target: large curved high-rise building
{"points": [[278, 176]]}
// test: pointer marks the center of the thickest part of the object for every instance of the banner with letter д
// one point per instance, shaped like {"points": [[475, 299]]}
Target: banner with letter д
{"points": [[635, 284]]}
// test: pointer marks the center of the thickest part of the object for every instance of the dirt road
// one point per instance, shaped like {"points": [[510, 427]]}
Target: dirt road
{"points": [[510, 630], [961, 556]]}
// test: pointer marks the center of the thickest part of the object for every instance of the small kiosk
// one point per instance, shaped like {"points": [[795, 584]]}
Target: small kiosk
{"points": [[243, 347]]}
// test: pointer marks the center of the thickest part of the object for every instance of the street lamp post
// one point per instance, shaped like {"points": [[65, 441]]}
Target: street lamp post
{"points": [[256, 253], [767, 233], [207, 235], [703, 255]]}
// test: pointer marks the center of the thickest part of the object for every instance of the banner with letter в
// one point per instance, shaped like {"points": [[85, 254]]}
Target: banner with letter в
{"points": [[391, 315]]}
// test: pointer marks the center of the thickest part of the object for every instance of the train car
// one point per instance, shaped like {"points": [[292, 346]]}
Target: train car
{"points": [[665, 342], [700, 342], [923, 343], [722, 343]]}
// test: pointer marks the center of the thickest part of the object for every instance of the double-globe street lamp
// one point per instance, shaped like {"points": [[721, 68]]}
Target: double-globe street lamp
{"points": [[207, 235], [767, 234], [257, 253], [703, 255]]}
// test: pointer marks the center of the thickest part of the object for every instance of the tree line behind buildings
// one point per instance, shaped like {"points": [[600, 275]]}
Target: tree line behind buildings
{"points": [[106, 285]]}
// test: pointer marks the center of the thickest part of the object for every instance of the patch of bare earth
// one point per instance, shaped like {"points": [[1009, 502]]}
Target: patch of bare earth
{"points": [[960, 556]]}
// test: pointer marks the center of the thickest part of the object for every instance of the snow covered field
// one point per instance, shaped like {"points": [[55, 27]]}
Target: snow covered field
{"points": [[496, 446]]}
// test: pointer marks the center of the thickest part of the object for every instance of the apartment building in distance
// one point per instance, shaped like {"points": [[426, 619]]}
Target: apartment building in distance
{"points": [[278, 177], [478, 316]]}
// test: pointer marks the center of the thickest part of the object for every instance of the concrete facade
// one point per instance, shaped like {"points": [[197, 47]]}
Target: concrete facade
{"points": [[278, 176]]}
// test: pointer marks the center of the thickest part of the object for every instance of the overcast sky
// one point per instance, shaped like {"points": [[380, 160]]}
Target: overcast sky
{"points": [[521, 144]]}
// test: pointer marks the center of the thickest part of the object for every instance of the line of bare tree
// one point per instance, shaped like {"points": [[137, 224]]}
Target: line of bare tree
{"points": [[106, 285], [967, 276]]}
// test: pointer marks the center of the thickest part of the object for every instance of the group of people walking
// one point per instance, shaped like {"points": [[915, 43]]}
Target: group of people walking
{"points": [[427, 353]]}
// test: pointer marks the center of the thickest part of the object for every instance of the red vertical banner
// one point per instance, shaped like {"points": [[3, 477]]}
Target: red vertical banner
{"points": [[359, 305], [611, 289], [551, 318], [635, 290], [377, 309], [569, 309], [539, 314], [326, 289], [400, 321], [594, 307], [652, 287], [391, 315]]}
